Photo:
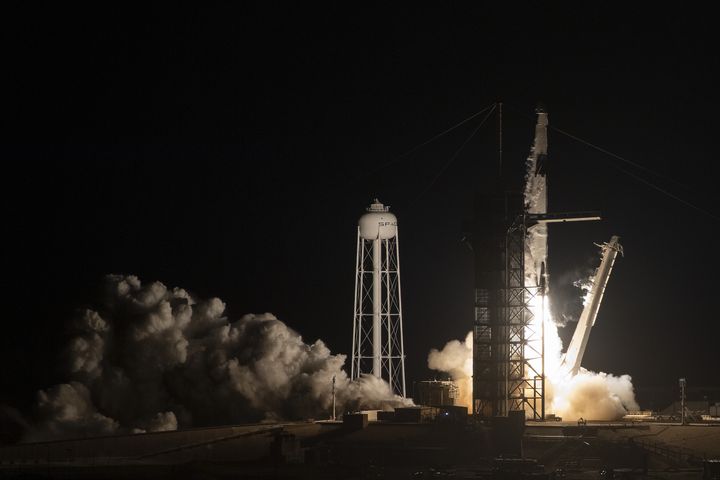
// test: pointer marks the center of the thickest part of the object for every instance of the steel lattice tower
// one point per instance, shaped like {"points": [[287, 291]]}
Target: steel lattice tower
{"points": [[508, 341], [526, 376], [378, 347]]}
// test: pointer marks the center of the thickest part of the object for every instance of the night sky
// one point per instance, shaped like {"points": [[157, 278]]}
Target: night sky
{"points": [[230, 152]]}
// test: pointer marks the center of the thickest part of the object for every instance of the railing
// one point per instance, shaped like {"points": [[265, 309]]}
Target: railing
{"points": [[676, 454]]}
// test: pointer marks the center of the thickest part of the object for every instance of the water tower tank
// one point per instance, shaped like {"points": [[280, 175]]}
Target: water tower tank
{"points": [[378, 222]]}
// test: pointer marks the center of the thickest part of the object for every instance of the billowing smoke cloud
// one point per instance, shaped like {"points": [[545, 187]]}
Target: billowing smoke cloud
{"points": [[456, 359], [150, 358], [593, 396]]}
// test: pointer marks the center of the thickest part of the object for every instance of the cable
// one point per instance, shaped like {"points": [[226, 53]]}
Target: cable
{"points": [[602, 150], [635, 176], [606, 152], [638, 178], [426, 142], [455, 155], [661, 190]]}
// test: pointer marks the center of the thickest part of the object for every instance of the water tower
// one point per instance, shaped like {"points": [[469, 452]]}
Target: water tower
{"points": [[377, 326]]}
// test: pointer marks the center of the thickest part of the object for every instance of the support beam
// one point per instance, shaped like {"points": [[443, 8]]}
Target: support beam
{"points": [[576, 350], [533, 218]]}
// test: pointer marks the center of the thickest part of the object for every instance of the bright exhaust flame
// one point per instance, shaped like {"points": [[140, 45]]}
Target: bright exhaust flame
{"points": [[588, 395]]}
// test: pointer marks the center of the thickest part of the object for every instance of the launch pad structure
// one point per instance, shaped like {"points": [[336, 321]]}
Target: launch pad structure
{"points": [[508, 339], [502, 313]]}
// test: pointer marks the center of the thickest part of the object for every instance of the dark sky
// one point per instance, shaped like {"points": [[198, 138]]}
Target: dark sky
{"points": [[230, 152]]}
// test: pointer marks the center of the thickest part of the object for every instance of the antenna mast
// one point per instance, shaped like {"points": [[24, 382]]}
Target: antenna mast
{"points": [[500, 140], [333, 395]]}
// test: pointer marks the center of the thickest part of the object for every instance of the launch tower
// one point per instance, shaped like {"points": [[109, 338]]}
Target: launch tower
{"points": [[378, 347], [505, 378], [509, 240]]}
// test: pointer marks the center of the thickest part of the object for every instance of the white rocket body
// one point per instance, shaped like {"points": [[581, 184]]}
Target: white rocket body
{"points": [[536, 250]]}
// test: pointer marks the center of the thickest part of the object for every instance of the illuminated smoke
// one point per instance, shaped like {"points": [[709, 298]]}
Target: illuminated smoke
{"points": [[152, 358], [591, 395], [570, 290], [456, 359], [585, 285]]}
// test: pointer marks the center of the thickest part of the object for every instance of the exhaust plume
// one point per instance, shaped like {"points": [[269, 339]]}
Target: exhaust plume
{"points": [[151, 358], [589, 395]]}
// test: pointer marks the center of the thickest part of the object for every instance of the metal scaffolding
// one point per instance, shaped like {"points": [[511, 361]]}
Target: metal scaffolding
{"points": [[525, 383], [508, 371]]}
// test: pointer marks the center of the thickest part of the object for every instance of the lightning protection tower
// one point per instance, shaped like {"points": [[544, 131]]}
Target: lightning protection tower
{"points": [[378, 347]]}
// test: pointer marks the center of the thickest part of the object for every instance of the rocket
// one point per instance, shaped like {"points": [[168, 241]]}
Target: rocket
{"points": [[535, 194]]}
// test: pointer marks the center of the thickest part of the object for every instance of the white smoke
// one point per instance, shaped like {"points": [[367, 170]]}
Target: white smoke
{"points": [[569, 291], [591, 395], [68, 410], [585, 285], [152, 358], [456, 359]]}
